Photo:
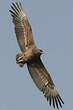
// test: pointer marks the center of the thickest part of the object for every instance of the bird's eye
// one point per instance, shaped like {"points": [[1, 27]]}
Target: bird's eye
{"points": [[41, 51]]}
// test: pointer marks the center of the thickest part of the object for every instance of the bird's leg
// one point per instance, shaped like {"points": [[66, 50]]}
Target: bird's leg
{"points": [[20, 59]]}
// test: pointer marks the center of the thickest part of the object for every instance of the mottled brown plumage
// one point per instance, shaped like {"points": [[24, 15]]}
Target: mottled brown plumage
{"points": [[31, 56]]}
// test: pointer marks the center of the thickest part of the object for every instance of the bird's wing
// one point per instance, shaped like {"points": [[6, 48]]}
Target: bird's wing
{"points": [[44, 82], [22, 27]]}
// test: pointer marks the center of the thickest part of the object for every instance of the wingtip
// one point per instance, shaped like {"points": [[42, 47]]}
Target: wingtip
{"points": [[10, 11], [60, 99], [16, 5], [21, 5], [54, 99]]}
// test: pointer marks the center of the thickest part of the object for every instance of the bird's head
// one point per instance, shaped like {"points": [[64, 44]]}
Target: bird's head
{"points": [[39, 51]]}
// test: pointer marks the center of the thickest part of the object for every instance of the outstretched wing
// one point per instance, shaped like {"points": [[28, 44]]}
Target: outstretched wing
{"points": [[22, 27], [44, 82]]}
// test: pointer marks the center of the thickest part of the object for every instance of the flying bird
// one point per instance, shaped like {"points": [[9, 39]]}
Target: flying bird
{"points": [[30, 55]]}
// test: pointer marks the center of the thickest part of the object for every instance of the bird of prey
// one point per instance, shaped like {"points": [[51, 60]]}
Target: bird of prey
{"points": [[30, 55]]}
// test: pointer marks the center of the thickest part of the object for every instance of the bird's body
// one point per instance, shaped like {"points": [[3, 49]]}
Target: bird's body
{"points": [[30, 55]]}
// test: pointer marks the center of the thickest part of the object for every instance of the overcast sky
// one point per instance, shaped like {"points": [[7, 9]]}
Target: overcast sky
{"points": [[52, 25]]}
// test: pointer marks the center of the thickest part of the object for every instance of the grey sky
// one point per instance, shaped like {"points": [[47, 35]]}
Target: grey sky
{"points": [[52, 24]]}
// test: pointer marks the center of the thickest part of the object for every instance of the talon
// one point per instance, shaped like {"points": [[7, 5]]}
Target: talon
{"points": [[18, 56], [21, 64], [20, 59]]}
